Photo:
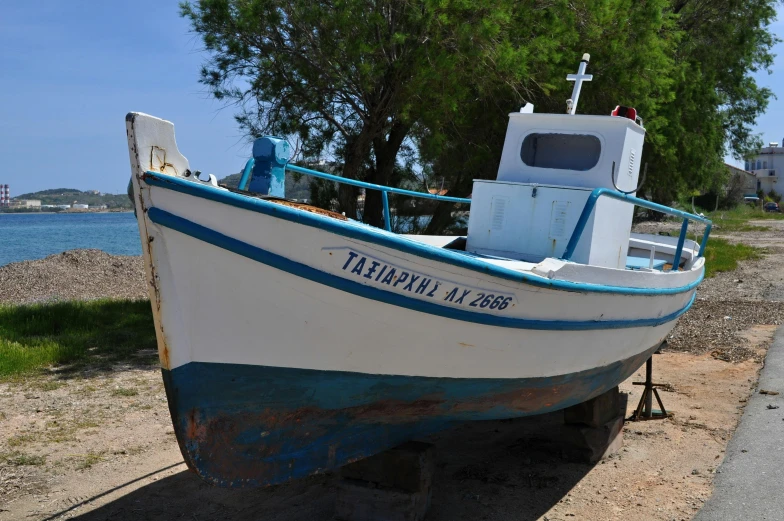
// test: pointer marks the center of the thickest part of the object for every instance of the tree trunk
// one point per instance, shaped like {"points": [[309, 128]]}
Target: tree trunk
{"points": [[374, 214], [442, 217], [386, 158], [357, 150], [347, 200]]}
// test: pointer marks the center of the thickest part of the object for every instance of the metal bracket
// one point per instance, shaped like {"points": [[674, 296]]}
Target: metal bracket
{"points": [[195, 176]]}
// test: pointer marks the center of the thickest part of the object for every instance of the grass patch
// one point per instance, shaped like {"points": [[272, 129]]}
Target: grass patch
{"points": [[60, 431], [20, 459], [721, 255], [85, 389], [89, 459], [84, 424], [19, 440], [738, 226], [124, 392], [130, 451], [36, 336], [50, 385], [736, 220], [63, 431]]}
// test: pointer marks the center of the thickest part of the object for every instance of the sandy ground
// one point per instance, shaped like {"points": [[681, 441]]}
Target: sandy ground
{"points": [[101, 446], [97, 445]]}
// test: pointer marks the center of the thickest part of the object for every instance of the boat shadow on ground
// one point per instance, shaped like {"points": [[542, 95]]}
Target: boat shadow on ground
{"points": [[508, 469]]}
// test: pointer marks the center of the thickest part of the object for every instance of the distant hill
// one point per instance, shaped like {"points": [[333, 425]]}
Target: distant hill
{"points": [[232, 181], [295, 189], [71, 196]]}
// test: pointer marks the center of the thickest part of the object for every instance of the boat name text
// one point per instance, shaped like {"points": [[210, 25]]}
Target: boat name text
{"points": [[376, 272]]}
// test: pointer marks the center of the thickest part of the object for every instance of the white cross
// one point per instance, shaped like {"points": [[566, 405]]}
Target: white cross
{"points": [[578, 80]]}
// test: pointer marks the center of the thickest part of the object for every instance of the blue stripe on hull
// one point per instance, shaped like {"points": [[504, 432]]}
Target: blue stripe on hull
{"points": [[244, 426], [249, 251]]}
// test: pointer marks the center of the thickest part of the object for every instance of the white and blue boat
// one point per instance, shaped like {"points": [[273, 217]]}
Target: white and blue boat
{"points": [[294, 341]]}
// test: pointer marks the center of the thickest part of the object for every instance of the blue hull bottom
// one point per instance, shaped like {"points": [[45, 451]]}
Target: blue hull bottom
{"points": [[245, 426]]}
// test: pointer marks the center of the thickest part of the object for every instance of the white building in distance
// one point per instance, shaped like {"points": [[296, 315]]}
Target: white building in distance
{"points": [[767, 165], [25, 203], [741, 181]]}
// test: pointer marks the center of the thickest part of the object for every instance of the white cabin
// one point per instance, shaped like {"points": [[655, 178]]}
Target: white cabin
{"points": [[549, 166]]}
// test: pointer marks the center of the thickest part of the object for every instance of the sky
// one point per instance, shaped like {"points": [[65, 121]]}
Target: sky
{"points": [[771, 124], [70, 71]]}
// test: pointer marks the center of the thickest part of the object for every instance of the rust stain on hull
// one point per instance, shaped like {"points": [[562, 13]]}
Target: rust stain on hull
{"points": [[148, 241], [243, 426]]}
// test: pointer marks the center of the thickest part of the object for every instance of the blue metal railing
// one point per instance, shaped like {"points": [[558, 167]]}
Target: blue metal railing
{"points": [[246, 173], [606, 192], [385, 190], [573, 240]]}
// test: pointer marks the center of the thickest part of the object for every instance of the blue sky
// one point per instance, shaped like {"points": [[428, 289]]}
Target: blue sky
{"points": [[72, 70], [70, 73], [771, 124]]}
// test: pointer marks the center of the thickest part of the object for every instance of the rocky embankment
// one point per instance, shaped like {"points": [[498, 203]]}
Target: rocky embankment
{"points": [[73, 275]]}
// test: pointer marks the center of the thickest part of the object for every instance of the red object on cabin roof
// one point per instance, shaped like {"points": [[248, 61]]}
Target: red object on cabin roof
{"points": [[625, 112]]}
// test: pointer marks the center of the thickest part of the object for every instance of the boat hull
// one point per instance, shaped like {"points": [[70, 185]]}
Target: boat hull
{"points": [[292, 343], [274, 376], [279, 365], [246, 426]]}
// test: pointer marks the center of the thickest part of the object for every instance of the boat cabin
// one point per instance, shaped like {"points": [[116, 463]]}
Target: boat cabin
{"points": [[549, 166]]}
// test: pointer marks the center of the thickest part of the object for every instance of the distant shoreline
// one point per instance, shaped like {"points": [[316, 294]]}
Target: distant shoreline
{"points": [[36, 212]]}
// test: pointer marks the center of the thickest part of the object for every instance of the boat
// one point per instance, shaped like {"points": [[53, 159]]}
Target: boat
{"points": [[294, 340]]}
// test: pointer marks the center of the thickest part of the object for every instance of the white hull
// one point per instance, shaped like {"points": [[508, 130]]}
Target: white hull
{"points": [[275, 318], [292, 342]]}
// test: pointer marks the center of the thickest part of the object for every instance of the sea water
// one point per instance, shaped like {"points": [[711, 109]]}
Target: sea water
{"points": [[29, 236]]}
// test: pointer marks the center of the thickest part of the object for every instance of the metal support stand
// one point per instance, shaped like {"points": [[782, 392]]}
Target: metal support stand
{"points": [[645, 407]]}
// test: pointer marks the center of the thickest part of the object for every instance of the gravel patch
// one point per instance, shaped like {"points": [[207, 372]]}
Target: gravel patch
{"points": [[672, 228], [715, 325], [756, 280], [731, 303], [73, 275]]}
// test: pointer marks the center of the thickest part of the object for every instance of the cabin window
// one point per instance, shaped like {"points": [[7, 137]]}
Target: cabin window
{"points": [[562, 151]]}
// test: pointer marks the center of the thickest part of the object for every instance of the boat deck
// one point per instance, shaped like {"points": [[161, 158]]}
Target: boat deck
{"points": [[638, 257]]}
